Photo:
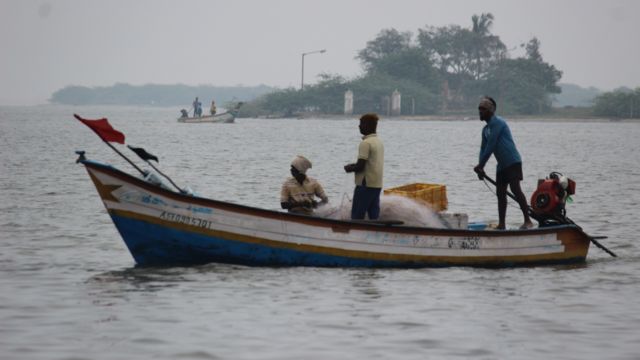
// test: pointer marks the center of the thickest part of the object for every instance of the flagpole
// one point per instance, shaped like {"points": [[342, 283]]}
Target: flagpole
{"points": [[144, 155], [126, 158], [168, 178]]}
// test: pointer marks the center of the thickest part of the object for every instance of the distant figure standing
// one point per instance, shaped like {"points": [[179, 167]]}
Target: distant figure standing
{"points": [[368, 171], [213, 108], [497, 140], [197, 108]]}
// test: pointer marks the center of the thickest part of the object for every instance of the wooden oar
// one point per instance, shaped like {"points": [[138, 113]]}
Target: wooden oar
{"points": [[532, 214]]}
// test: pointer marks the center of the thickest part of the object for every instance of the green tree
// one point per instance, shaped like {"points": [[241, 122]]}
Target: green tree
{"points": [[410, 64], [469, 62], [523, 85], [462, 52], [327, 96], [370, 90], [618, 104], [486, 47], [533, 50], [387, 42], [463, 56]]}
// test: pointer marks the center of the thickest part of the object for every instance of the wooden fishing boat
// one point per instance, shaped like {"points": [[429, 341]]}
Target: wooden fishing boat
{"points": [[225, 117], [163, 227]]}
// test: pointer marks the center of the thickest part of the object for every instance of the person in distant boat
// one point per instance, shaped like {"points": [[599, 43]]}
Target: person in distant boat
{"points": [[368, 171], [197, 108], [184, 113], [497, 140], [299, 191], [213, 108]]}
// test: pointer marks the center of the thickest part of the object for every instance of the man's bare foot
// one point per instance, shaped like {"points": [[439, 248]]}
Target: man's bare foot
{"points": [[527, 225]]}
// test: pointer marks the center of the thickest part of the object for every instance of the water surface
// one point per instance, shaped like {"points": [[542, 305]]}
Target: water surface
{"points": [[70, 289]]}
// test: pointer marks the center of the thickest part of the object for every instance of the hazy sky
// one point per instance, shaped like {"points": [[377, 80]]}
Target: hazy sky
{"points": [[47, 45]]}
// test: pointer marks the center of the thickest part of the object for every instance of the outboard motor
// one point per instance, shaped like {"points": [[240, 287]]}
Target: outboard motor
{"points": [[549, 199]]}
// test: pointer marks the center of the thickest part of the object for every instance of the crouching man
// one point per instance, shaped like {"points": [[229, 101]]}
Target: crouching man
{"points": [[299, 191]]}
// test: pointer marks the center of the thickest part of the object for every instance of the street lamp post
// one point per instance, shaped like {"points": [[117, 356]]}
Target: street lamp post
{"points": [[303, 55]]}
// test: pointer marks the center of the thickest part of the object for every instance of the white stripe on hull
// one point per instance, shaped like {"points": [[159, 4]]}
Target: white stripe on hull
{"points": [[141, 201]]}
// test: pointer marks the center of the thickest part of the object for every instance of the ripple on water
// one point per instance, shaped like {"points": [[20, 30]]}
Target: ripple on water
{"points": [[70, 288]]}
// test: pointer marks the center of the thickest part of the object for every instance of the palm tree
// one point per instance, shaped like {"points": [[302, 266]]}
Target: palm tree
{"points": [[481, 34], [482, 23]]}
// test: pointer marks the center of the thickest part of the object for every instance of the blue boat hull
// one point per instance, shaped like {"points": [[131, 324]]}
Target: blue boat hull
{"points": [[152, 244]]}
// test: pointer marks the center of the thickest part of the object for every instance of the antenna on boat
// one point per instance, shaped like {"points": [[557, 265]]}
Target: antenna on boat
{"points": [[144, 155]]}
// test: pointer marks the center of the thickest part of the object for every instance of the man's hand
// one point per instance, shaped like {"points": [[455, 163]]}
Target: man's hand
{"points": [[480, 171], [307, 204], [349, 168]]}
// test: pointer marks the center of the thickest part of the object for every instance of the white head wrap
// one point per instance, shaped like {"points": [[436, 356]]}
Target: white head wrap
{"points": [[301, 163]]}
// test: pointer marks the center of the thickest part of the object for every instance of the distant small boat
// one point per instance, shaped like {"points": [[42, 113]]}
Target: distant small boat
{"points": [[225, 117]]}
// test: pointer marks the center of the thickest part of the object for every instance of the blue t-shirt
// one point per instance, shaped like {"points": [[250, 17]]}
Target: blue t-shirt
{"points": [[497, 140]]}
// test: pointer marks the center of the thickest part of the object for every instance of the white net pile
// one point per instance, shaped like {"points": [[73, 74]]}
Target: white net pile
{"points": [[392, 207]]}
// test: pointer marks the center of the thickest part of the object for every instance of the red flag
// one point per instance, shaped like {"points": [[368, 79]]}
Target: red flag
{"points": [[103, 129]]}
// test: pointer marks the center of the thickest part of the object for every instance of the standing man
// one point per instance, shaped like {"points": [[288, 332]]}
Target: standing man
{"points": [[497, 140], [213, 109], [368, 171], [298, 192], [197, 108]]}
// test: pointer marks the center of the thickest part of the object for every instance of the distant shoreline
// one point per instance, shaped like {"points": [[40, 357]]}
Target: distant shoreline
{"points": [[515, 118], [552, 118]]}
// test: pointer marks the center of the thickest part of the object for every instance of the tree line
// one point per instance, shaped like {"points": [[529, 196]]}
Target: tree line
{"points": [[438, 70], [621, 103], [155, 95]]}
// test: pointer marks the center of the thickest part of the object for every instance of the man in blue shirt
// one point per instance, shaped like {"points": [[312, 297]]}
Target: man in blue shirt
{"points": [[497, 140]]}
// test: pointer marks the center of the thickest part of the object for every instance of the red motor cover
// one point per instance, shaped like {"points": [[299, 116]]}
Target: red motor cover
{"points": [[546, 199]]}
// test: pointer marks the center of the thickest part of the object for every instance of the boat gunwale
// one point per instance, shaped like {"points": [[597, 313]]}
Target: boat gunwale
{"points": [[318, 221]]}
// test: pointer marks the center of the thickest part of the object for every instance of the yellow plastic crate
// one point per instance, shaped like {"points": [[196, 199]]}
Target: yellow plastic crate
{"points": [[433, 194]]}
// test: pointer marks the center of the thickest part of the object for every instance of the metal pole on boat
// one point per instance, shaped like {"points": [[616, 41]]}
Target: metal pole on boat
{"points": [[593, 239], [166, 177], [303, 55], [144, 155], [126, 158]]}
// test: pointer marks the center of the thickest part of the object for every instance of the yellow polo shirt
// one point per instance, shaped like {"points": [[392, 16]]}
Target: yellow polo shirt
{"points": [[371, 149]]}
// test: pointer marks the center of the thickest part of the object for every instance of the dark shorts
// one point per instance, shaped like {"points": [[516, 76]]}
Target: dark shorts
{"points": [[366, 200], [509, 174]]}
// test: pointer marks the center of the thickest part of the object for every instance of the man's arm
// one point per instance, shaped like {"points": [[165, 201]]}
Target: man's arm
{"points": [[319, 192], [363, 154], [495, 128], [284, 197], [357, 167]]}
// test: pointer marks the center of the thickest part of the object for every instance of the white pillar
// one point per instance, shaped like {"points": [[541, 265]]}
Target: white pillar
{"points": [[348, 102], [396, 100]]}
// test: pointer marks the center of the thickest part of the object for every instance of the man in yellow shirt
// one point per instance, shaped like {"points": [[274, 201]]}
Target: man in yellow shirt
{"points": [[368, 171], [213, 109], [299, 191]]}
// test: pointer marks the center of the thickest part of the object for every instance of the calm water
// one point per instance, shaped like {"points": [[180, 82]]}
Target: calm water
{"points": [[69, 288]]}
